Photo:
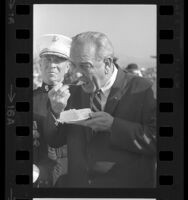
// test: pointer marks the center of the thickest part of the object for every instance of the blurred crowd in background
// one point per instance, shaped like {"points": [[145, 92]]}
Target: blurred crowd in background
{"points": [[147, 72]]}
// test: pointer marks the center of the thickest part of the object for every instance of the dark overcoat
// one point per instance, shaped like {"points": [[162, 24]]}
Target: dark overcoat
{"points": [[124, 157]]}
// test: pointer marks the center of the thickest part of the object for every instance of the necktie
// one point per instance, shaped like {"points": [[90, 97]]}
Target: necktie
{"points": [[95, 104], [95, 101]]}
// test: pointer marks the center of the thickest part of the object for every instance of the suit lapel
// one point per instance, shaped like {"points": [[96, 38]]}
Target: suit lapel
{"points": [[118, 89]]}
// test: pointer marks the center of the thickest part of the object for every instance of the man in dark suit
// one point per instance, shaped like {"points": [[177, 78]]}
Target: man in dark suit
{"points": [[116, 147]]}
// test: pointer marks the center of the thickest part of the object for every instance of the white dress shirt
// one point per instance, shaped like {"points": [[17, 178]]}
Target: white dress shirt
{"points": [[107, 87]]}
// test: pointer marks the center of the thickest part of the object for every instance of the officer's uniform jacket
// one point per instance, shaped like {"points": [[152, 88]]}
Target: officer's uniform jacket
{"points": [[44, 156]]}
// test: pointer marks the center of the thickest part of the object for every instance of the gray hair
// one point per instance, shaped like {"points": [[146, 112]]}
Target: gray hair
{"points": [[104, 48]]}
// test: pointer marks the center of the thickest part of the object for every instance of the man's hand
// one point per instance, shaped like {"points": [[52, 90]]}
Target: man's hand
{"points": [[100, 121], [59, 96]]}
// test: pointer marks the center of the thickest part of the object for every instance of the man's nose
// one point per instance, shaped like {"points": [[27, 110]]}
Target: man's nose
{"points": [[75, 73], [78, 75], [53, 65]]}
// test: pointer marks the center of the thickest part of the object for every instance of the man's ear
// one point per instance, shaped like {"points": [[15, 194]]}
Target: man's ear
{"points": [[108, 63], [67, 68]]}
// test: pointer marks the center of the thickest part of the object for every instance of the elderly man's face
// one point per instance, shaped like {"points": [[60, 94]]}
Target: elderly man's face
{"points": [[85, 62], [53, 68]]}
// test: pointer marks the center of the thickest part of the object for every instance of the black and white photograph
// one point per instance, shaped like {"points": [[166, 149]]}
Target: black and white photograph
{"points": [[94, 96]]}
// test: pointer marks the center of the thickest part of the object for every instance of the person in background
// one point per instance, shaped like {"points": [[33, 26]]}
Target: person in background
{"points": [[133, 69], [54, 55], [116, 146]]}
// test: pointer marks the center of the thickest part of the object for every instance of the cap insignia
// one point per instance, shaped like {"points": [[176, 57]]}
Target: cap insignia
{"points": [[55, 38]]}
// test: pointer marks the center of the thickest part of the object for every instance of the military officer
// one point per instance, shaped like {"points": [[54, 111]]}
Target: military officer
{"points": [[53, 60]]}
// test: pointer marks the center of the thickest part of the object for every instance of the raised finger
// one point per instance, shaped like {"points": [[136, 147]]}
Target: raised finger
{"points": [[63, 94], [63, 88], [53, 91], [57, 87]]}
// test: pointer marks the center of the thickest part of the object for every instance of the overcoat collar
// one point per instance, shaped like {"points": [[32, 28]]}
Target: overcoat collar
{"points": [[118, 89]]}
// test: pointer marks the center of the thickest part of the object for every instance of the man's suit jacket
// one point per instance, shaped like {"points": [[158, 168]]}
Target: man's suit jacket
{"points": [[123, 157]]}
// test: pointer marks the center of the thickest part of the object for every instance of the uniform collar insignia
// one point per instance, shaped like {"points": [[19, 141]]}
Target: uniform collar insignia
{"points": [[46, 87]]}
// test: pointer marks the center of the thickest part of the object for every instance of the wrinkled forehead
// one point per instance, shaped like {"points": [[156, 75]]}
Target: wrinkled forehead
{"points": [[82, 52]]}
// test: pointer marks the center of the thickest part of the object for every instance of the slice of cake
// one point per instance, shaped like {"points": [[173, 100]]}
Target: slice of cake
{"points": [[74, 115]]}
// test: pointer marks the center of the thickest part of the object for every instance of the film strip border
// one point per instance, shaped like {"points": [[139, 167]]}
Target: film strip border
{"points": [[19, 105]]}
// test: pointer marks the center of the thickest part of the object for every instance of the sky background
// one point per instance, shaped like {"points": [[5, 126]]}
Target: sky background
{"points": [[131, 28]]}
